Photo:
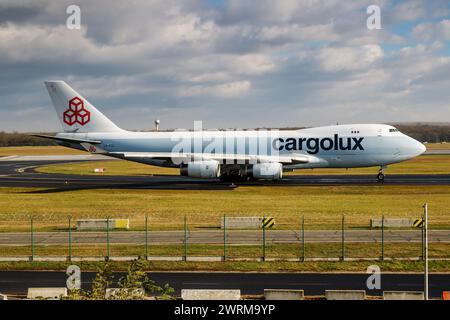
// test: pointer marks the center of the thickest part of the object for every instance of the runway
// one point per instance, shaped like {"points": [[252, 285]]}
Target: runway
{"points": [[236, 237], [22, 174], [18, 282]]}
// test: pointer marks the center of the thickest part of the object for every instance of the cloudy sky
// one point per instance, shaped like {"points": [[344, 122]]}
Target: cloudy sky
{"points": [[235, 63]]}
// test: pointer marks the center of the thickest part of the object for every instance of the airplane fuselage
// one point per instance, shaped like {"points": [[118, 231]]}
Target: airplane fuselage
{"points": [[340, 146]]}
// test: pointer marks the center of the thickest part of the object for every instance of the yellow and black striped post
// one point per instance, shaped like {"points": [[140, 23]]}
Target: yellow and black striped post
{"points": [[418, 223], [268, 222]]}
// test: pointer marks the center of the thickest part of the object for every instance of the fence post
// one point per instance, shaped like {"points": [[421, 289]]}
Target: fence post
{"points": [[382, 238], [70, 238], [146, 236], [343, 238], [185, 240], [423, 237], [224, 238], [32, 238], [264, 241], [107, 240], [303, 238]]}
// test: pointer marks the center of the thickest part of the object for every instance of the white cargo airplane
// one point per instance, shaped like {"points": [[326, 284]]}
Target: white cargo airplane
{"points": [[230, 155]]}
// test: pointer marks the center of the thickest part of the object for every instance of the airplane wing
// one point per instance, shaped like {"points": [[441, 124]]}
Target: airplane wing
{"points": [[187, 157]]}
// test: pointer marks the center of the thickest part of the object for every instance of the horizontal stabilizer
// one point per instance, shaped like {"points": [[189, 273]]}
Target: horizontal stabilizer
{"points": [[73, 140]]}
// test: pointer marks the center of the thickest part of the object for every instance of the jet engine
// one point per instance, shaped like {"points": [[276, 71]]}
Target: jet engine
{"points": [[268, 171], [201, 169]]}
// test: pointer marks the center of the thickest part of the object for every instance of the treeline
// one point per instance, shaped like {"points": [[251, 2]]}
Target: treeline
{"points": [[16, 139], [426, 132], [423, 132]]}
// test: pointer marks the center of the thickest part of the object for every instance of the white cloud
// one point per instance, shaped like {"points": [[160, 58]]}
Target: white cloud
{"points": [[349, 58], [276, 59], [225, 90], [433, 31]]}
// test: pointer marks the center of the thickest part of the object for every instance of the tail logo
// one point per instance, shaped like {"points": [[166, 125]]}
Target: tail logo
{"points": [[76, 113]]}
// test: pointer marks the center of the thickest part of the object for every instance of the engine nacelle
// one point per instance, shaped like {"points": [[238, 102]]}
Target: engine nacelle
{"points": [[269, 171], [201, 169]]}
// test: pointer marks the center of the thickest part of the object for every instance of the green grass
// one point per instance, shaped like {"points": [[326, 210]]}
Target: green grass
{"points": [[387, 266], [113, 167], [426, 164], [438, 146], [322, 206]]}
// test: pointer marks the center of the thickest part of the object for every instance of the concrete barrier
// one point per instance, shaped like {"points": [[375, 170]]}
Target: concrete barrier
{"points": [[242, 222], [101, 224], [392, 223], [345, 294], [403, 295], [3, 297], [136, 293], [47, 293], [207, 294], [282, 294]]}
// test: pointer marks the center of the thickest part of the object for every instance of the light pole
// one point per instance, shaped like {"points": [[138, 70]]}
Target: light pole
{"points": [[425, 206]]}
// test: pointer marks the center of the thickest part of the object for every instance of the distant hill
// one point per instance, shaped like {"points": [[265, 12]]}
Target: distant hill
{"points": [[426, 132], [16, 139]]}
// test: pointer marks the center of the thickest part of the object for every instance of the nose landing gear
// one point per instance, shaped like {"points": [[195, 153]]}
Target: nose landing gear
{"points": [[380, 175]]}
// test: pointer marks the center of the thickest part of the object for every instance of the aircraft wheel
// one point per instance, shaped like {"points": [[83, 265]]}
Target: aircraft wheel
{"points": [[380, 177]]}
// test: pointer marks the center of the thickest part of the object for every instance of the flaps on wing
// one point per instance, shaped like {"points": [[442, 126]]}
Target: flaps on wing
{"points": [[187, 157], [73, 140]]}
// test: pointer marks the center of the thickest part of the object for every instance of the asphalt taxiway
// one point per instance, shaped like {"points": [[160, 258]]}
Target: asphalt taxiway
{"points": [[249, 237], [18, 282], [21, 173]]}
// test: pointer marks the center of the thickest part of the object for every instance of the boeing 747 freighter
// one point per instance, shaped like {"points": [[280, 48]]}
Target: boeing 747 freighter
{"points": [[233, 154]]}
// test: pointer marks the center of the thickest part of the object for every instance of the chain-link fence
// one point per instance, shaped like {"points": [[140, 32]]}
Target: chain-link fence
{"points": [[34, 237]]}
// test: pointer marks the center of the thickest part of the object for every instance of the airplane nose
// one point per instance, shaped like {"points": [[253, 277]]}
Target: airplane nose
{"points": [[420, 147]]}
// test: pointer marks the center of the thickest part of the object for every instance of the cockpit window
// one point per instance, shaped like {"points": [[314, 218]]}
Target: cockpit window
{"points": [[393, 130]]}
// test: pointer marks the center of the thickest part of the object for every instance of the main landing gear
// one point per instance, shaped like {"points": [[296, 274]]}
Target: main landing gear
{"points": [[380, 175]]}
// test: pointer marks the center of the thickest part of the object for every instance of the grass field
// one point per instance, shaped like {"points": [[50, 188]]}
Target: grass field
{"points": [[426, 164], [438, 146], [386, 266], [322, 206]]}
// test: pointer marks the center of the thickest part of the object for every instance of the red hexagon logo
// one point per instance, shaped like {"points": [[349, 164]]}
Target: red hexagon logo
{"points": [[76, 113]]}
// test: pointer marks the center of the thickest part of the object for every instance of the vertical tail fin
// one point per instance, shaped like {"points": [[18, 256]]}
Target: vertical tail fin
{"points": [[75, 113]]}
